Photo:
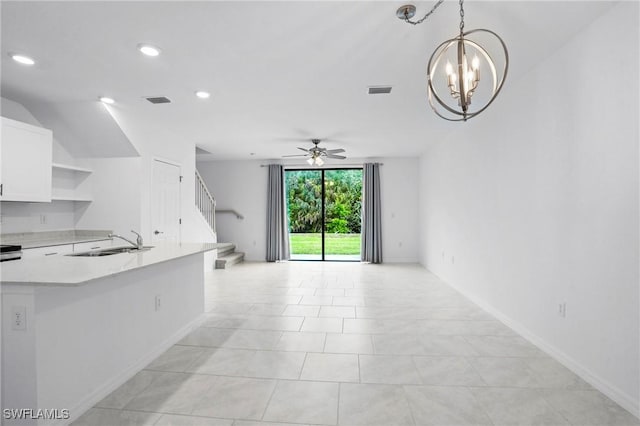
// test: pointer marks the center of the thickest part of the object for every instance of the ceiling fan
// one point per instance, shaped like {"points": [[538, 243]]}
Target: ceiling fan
{"points": [[316, 153]]}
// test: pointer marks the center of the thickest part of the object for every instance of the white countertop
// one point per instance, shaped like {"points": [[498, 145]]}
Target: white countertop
{"points": [[61, 270], [30, 240]]}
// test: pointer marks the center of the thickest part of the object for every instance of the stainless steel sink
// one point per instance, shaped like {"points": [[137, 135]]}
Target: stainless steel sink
{"points": [[110, 251]]}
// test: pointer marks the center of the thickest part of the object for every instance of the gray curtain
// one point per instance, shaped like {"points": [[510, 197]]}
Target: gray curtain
{"points": [[371, 246], [277, 229]]}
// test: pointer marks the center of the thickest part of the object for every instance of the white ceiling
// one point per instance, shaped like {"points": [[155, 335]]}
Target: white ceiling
{"points": [[279, 72]]}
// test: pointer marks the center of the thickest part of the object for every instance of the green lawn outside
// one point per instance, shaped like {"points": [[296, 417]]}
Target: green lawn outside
{"points": [[335, 243]]}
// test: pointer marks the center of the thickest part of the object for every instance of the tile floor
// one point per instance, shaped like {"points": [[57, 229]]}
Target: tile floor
{"points": [[350, 344]]}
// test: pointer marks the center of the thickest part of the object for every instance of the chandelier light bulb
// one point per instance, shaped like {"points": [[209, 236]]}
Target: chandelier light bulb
{"points": [[475, 63], [449, 68]]}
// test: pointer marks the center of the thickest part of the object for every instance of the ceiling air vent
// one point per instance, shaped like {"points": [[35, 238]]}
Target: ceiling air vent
{"points": [[158, 100], [379, 90]]}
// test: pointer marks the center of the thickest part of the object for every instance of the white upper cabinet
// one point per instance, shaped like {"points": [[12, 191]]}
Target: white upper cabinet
{"points": [[25, 162]]}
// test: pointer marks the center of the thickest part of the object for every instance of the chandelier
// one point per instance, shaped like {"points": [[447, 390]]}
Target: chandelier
{"points": [[461, 69]]}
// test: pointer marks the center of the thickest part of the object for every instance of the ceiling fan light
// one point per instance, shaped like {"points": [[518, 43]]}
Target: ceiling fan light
{"points": [[319, 161], [310, 161]]}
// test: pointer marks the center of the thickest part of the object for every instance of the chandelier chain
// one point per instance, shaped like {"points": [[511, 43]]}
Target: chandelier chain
{"points": [[421, 20], [461, 16]]}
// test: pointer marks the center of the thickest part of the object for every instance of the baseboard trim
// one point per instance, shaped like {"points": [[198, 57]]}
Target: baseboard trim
{"points": [[400, 260], [94, 397], [613, 392]]}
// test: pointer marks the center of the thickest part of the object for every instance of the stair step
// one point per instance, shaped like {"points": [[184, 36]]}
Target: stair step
{"points": [[222, 262], [225, 248]]}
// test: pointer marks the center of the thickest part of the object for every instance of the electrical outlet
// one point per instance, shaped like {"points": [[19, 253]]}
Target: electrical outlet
{"points": [[562, 309], [43, 219], [158, 302], [19, 318]]}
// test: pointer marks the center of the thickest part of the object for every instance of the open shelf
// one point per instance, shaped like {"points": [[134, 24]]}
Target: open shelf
{"points": [[70, 168], [68, 183], [81, 200]]}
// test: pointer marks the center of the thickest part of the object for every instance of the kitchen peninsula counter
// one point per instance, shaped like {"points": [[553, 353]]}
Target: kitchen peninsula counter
{"points": [[63, 270], [75, 328]]}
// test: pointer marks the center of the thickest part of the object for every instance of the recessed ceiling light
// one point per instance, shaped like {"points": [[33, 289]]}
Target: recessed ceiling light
{"points": [[202, 94], [148, 49], [106, 100], [22, 59]]}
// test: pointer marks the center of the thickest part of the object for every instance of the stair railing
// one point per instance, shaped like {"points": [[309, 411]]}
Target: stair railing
{"points": [[232, 211], [205, 202]]}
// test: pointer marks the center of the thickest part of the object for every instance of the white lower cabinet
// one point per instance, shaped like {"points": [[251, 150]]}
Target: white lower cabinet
{"points": [[31, 253]]}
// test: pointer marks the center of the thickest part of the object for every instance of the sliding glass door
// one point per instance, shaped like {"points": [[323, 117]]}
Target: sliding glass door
{"points": [[304, 207], [324, 209]]}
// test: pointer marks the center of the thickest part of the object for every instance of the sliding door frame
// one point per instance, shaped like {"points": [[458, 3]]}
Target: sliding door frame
{"points": [[322, 171]]}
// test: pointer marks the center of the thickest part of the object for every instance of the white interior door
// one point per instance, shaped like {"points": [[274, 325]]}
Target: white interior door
{"points": [[165, 203]]}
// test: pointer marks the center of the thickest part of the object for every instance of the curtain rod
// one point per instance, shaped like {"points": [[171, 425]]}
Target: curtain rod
{"points": [[336, 166]]}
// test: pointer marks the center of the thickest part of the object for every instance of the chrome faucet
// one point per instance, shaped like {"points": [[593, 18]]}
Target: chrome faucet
{"points": [[138, 244]]}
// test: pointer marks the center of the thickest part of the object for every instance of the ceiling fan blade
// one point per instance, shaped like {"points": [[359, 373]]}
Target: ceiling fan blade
{"points": [[334, 151], [339, 157], [296, 155], [303, 149]]}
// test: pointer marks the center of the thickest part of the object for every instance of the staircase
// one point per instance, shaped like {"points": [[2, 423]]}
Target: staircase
{"points": [[206, 204], [227, 256]]}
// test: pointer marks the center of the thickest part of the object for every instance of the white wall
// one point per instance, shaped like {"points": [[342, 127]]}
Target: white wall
{"points": [[399, 196], [158, 142], [116, 190], [242, 186], [36, 217], [535, 203]]}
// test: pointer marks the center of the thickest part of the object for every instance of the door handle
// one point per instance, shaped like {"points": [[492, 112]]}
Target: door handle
{"points": [[158, 232]]}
